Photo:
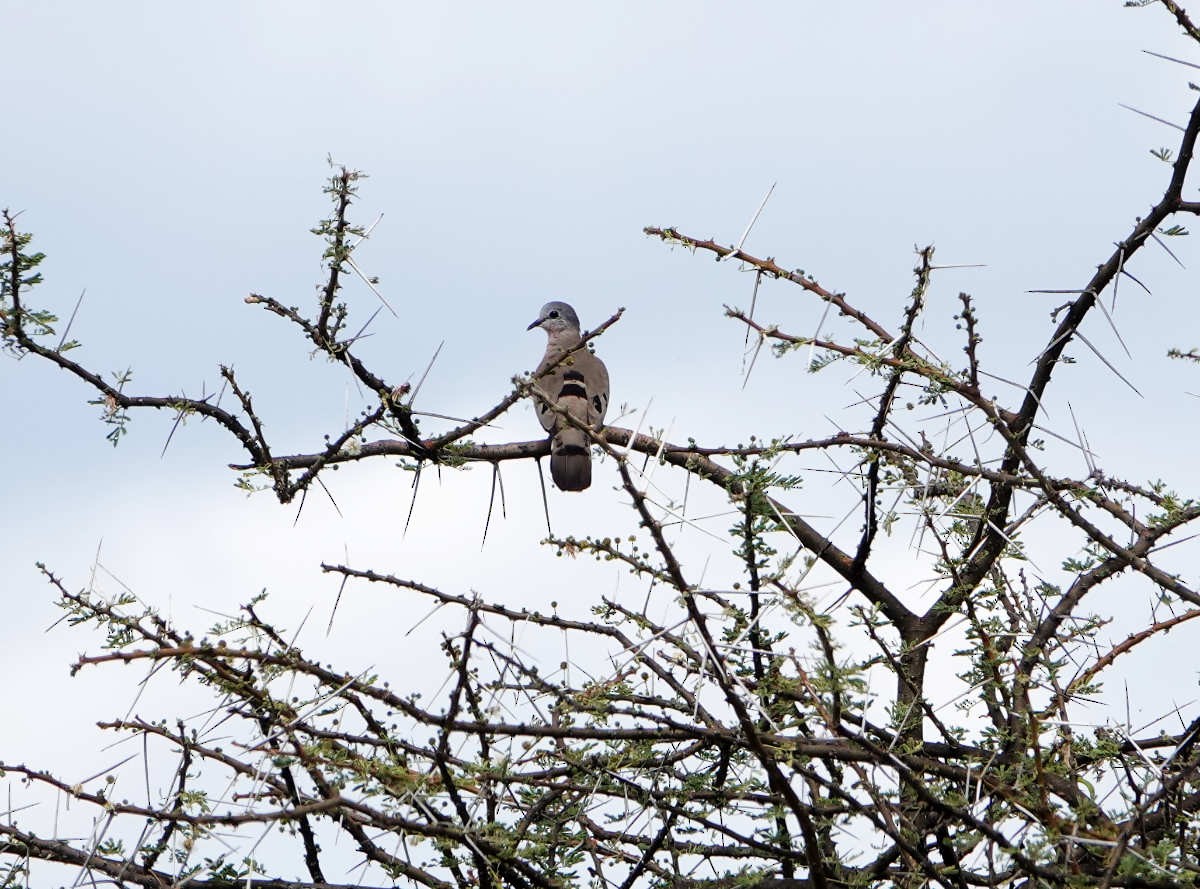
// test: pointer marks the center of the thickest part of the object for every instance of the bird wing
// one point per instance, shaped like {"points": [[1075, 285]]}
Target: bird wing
{"points": [[578, 384]]}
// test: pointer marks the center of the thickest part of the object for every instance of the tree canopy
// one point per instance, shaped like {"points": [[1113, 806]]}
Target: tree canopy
{"points": [[883, 683]]}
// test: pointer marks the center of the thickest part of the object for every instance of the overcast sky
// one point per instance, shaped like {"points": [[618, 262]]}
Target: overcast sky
{"points": [[170, 161]]}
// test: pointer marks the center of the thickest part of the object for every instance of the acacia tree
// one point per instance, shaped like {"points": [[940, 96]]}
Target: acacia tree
{"points": [[746, 737]]}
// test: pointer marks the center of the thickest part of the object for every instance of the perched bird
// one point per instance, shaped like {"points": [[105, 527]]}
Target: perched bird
{"points": [[577, 384]]}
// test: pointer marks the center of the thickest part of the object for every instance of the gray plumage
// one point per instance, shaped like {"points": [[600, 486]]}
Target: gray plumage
{"points": [[577, 384]]}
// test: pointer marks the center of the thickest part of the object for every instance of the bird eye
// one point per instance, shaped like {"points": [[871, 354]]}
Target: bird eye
{"points": [[553, 314]]}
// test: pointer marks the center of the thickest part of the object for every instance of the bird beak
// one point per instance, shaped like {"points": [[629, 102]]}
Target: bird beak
{"points": [[534, 324]]}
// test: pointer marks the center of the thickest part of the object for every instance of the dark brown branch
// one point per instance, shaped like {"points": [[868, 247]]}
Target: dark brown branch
{"points": [[342, 188], [769, 267], [990, 542], [899, 349]]}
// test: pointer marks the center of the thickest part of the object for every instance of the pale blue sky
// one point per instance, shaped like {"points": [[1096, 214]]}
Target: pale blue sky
{"points": [[170, 162]]}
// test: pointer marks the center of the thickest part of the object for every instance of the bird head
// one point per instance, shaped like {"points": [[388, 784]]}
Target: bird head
{"points": [[556, 318]]}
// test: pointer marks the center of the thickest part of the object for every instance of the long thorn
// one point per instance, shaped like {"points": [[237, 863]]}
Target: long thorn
{"points": [[753, 303], [354, 267], [1170, 252], [428, 368], [1151, 116], [71, 320], [545, 499], [413, 504], [754, 219], [1113, 325], [487, 522], [1170, 58]]}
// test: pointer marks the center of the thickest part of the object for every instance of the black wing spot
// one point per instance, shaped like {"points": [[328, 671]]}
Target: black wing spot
{"points": [[573, 375], [597, 403], [573, 390]]}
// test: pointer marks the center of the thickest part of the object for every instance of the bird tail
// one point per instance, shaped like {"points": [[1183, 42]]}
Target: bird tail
{"points": [[571, 460]]}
